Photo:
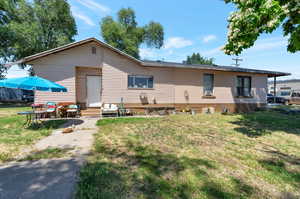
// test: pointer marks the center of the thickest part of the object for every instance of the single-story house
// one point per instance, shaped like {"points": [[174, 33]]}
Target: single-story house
{"points": [[95, 73]]}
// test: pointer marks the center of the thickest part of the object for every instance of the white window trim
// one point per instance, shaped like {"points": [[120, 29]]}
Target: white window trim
{"points": [[140, 76]]}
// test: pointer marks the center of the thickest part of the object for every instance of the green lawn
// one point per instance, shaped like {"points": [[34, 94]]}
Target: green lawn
{"points": [[254, 155], [14, 137]]}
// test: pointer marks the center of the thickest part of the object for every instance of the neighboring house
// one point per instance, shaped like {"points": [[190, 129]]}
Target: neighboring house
{"points": [[10, 95], [95, 72], [284, 88], [15, 95]]}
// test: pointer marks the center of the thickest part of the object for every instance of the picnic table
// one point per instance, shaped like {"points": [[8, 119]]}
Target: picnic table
{"points": [[32, 116]]}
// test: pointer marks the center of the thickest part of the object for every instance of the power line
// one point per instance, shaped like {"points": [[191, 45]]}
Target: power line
{"points": [[237, 60]]}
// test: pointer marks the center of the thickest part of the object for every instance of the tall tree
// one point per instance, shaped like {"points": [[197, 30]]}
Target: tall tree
{"points": [[127, 36], [196, 58], [252, 18], [6, 12], [28, 27]]}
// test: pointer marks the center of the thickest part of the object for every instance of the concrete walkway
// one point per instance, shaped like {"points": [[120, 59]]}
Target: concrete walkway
{"points": [[80, 141], [50, 178]]}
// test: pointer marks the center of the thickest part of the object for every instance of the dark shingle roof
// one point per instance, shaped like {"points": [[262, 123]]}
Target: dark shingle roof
{"points": [[148, 63]]}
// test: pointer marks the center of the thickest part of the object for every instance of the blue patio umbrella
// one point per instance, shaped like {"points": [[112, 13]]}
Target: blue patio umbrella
{"points": [[32, 83]]}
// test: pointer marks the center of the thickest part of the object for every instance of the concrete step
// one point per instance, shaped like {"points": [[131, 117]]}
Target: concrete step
{"points": [[91, 112]]}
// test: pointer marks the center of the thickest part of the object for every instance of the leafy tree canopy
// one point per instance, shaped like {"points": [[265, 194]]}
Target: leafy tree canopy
{"points": [[28, 27], [255, 17], [127, 36], [196, 58]]}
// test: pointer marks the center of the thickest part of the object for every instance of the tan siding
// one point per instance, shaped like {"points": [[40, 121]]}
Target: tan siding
{"points": [[169, 84], [60, 68], [115, 73], [61, 75], [191, 82]]}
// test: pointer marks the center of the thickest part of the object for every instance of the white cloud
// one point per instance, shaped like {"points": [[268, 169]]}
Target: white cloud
{"points": [[91, 4], [147, 53], [177, 42], [155, 54], [269, 43], [77, 13], [209, 38], [84, 18], [212, 51]]}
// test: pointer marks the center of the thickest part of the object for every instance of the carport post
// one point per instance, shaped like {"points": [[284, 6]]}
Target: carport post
{"points": [[274, 89]]}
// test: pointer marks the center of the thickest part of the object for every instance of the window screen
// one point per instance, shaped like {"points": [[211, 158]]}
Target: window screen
{"points": [[140, 81], [208, 84], [244, 86]]}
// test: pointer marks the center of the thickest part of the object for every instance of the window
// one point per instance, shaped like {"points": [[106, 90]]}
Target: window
{"points": [[208, 84], [285, 93], [296, 94], [140, 81], [94, 50], [244, 86]]}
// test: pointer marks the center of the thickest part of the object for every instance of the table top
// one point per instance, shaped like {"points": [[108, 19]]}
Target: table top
{"points": [[31, 112]]}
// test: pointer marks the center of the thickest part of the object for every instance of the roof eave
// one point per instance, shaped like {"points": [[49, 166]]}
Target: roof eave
{"points": [[279, 74], [210, 67], [69, 46]]}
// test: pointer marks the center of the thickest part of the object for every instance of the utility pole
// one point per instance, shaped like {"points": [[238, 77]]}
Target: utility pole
{"points": [[237, 60]]}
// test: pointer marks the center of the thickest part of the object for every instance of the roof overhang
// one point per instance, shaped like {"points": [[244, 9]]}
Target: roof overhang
{"points": [[212, 67], [69, 46]]}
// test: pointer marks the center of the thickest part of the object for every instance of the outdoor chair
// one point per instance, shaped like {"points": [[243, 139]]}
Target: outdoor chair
{"points": [[72, 110], [110, 109], [51, 109]]}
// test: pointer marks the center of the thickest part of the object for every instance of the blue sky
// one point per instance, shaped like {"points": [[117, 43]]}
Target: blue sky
{"points": [[190, 26]]}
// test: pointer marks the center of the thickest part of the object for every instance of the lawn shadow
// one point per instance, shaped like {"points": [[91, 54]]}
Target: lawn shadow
{"points": [[278, 168], [143, 172], [55, 124], [261, 123], [71, 122], [216, 190], [291, 159]]}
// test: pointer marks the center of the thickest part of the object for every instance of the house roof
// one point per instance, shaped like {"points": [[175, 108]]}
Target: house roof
{"points": [[72, 45], [147, 63], [213, 67]]}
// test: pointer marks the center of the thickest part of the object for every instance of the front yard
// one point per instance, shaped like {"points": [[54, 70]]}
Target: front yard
{"points": [[14, 137], [253, 155]]}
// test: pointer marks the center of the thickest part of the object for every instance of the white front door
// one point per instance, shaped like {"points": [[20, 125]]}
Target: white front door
{"points": [[93, 84]]}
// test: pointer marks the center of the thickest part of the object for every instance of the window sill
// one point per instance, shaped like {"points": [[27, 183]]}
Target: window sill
{"points": [[140, 88], [209, 97], [244, 97]]}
